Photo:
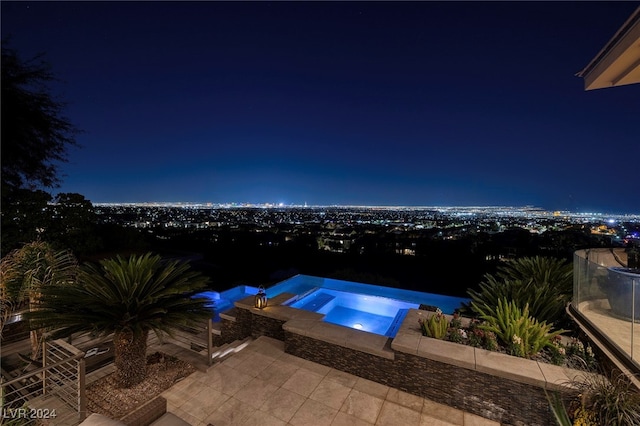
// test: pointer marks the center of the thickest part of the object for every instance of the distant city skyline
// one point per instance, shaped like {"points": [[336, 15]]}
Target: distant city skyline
{"points": [[505, 208], [339, 103]]}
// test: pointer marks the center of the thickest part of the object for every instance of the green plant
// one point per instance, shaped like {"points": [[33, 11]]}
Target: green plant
{"points": [[456, 322], [542, 271], [475, 334], [436, 326], [584, 417], [558, 408], [610, 398], [544, 303], [456, 335], [127, 297], [521, 333], [557, 354], [490, 341], [581, 355], [544, 283], [24, 272], [479, 338], [605, 398]]}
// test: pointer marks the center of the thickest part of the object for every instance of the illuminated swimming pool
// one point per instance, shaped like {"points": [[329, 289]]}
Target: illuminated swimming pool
{"points": [[372, 308], [374, 314]]}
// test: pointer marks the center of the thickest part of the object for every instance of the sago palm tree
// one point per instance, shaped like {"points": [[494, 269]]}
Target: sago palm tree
{"points": [[24, 272], [126, 297]]}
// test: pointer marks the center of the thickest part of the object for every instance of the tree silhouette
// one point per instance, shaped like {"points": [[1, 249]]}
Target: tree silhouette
{"points": [[73, 224], [35, 133], [25, 216], [35, 138]]}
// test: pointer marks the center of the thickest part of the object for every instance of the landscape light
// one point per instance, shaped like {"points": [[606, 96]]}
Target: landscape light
{"points": [[261, 298]]}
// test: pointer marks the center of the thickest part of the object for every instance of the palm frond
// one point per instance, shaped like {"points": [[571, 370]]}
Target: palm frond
{"points": [[545, 284], [139, 293]]}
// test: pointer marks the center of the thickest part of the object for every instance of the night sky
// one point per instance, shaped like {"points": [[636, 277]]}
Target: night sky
{"points": [[382, 103]]}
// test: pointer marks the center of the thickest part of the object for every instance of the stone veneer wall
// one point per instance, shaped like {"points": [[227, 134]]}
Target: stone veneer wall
{"points": [[496, 398], [230, 331], [245, 324], [265, 326]]}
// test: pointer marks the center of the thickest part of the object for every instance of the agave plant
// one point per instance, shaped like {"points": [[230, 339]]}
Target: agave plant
{"points": [[523, 334], [126, 297], [436, 326]]}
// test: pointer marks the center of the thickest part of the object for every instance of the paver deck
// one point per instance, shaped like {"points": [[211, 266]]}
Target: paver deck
{"points": [[263, 385]]}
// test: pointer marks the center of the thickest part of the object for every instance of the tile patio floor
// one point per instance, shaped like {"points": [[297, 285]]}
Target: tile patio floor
{"points": [[262, 385]]}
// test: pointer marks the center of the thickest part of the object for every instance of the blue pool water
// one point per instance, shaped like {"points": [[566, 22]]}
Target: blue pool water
{"points": [[372, 308], [223, 301], [374, 314], [302, 284]]}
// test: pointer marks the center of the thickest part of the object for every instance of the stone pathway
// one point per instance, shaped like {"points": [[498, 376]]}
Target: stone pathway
{"points": [[263, 385]]}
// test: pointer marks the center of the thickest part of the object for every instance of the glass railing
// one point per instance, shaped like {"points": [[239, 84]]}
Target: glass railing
{"points": [[607, 294]]}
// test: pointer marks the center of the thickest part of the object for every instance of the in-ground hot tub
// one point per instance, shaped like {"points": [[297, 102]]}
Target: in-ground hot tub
{"points": [[374, 314], [371, 308]]}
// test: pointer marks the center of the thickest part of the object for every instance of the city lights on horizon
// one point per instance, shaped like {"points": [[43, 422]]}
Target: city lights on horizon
{"points": [[459, 210]]}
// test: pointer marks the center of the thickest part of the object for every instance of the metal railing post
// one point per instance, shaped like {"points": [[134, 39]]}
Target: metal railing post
{"points": [[44, 365], [82, 394], [209, 340]]}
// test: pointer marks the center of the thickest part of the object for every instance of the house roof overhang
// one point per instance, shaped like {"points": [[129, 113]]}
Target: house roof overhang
{"points": [[618, 63]]}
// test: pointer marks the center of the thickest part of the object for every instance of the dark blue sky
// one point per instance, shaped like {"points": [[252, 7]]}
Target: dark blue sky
{"points": [[382, 103]]}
